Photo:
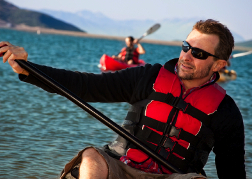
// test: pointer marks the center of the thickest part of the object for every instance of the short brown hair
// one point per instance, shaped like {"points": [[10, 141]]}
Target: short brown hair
{"points": [[131, 38], [226, 43]]}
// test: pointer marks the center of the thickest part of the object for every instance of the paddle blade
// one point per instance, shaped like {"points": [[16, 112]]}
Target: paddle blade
{"points": [[152, 29]]}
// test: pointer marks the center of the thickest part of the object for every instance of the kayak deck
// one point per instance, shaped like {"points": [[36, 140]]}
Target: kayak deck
{"points": [[108, 63], [227, 75]]}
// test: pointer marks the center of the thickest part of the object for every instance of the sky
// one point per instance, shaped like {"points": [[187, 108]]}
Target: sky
{"points": [[236, 15]]}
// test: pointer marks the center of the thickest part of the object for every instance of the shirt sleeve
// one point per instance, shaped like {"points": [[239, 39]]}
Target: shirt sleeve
{"points": [[228, 129], [122, 50], [129, 85]]}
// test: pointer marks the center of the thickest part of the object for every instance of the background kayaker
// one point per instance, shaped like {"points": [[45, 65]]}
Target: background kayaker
{"points": [[130, 54], [182, 98], [224, 69]]}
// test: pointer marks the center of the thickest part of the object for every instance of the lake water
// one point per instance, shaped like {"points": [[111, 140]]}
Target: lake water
{"points": [[40, 132]]}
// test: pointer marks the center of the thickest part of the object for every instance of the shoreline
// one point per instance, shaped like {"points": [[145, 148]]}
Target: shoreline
{"points": [[40, 30]]}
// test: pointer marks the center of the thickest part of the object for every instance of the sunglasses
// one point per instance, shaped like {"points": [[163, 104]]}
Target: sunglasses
{"points": [[196, 52]]}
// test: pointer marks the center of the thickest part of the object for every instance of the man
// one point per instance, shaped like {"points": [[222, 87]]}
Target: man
{"points": [[177, 110], [130, 54]]}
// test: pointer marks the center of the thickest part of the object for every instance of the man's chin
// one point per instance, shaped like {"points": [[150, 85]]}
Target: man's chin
{"points": [[186, 76]]}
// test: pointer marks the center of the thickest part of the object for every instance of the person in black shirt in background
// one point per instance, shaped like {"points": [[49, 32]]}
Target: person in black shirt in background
{"points": [[130, 54]]}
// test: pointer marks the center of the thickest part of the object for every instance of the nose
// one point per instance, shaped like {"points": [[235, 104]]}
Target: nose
{"points": [[186, 56]]}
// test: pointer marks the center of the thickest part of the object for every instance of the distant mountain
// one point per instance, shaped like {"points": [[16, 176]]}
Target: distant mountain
{"points": [[11, 16], [245, 44], [97, 23]]}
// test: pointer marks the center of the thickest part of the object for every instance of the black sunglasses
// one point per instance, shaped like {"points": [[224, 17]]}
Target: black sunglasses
{"points": [[196, 52]]}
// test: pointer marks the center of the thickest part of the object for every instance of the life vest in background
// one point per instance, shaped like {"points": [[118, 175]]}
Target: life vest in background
{"points": [[130, 54], [175, 127]]}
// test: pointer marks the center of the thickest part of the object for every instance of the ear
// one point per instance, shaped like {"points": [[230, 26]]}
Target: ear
{"points": [[219, 64]]}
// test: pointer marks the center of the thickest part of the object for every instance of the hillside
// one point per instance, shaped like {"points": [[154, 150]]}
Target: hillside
{"points": [[97, 23], [11, 16], [245, 44]]}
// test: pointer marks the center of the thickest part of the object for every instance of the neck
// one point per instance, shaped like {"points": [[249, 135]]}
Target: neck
{"points": [[131, 46], [188, 84]]}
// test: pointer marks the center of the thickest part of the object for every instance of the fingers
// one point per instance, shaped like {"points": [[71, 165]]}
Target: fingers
{"points": [[136, 41], [15, 52], [12, 53], [6, 55], [4, 43], [2, 52]]}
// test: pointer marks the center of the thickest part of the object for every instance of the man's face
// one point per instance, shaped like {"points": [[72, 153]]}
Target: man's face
{"points": [[128, 42], [191, 68]]}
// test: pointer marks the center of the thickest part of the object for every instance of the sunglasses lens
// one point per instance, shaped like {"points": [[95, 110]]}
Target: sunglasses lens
{"points": [[198, 53], [185, 46]]}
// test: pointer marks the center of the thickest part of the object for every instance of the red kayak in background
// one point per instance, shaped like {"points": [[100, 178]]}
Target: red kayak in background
{"points": [[108, 63]]}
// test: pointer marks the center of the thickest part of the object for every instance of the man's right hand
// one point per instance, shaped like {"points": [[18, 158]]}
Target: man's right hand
{"points": [[11, 53]]}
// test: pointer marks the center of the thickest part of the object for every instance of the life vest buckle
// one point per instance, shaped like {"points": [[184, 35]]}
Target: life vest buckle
{"points": [[169, 143], [175, 101], [179, 104], [174, 132]]}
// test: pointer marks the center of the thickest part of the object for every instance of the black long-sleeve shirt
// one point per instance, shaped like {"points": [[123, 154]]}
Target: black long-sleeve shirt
{"points": [[135, 84]]}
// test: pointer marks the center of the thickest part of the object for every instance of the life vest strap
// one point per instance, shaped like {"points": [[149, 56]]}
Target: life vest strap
{"points": [[152, 123], [173, 131], [181, 163], [180, 104], [178, 162], [151, 138]]}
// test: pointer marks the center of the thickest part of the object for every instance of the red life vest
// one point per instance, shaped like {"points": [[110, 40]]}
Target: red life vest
{"points": [[128, 54], [176, 128]]}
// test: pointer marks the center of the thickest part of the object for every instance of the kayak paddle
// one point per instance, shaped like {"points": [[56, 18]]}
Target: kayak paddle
{"points": [[150, 31]]}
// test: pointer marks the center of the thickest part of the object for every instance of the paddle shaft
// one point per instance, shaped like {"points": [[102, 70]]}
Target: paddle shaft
{"points": [[95, 113], [141, 38]]}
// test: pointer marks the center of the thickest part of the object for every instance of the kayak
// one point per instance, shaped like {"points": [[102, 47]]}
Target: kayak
{"points": [[227, 75], [108, 63]]}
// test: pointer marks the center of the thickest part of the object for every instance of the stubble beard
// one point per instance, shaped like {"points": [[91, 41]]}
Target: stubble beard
{"points": [[194, 75]]}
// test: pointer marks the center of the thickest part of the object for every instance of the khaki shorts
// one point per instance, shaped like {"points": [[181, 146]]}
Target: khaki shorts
{"points": [[119, 170]]}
